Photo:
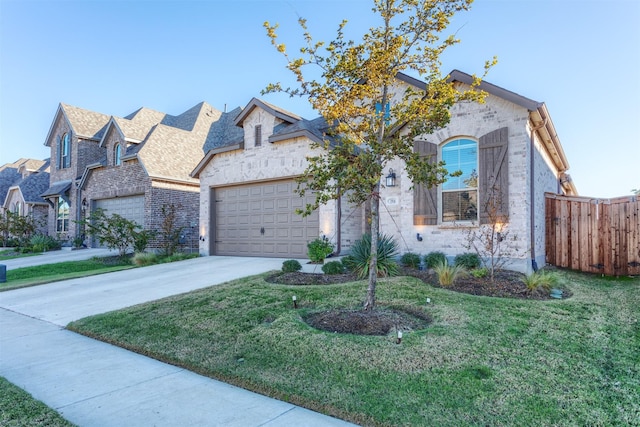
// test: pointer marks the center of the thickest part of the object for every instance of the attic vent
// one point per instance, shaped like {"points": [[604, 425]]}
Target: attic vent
{"points": [[258, 135]]}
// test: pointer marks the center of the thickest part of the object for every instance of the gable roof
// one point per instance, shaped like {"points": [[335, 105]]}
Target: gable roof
{"points": [[271, 109], [315, 130], [8, 177], [538, 114], [32, 186], [168, 147], [173, 148]]}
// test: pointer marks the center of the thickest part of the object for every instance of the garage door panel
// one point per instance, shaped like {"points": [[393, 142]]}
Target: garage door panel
{"points": [[270, 227], [128, 207]]}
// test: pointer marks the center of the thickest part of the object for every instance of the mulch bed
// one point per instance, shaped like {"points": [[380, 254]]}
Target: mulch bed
{"points": [[505, 284]]}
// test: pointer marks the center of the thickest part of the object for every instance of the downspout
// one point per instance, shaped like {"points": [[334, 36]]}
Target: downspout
{"points": [[78, 210], [532, 218], [338, 225]]}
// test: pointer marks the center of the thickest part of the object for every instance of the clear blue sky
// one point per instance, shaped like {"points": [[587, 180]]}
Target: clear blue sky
{"points": [[582, 58]]}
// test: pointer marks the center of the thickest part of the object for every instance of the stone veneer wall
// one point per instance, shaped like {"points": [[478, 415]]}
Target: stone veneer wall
{"points": [[270, 161], [467, 120], [545, 180]]}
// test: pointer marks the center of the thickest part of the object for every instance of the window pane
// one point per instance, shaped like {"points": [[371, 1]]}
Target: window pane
{"points": [[62, 215], [460, 205], [461, 155]]}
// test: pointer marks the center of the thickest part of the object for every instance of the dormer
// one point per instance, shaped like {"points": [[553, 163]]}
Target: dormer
{"points": [[118, 136]]}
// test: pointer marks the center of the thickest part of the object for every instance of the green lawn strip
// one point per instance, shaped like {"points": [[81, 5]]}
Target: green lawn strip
{"points": [[10, 254], [40, 274], [18, 408], [483, 361]]}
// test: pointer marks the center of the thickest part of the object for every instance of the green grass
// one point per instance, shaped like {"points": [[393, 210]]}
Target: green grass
{"points": [[483, 361], [18, 408], [11, 254], [47, 273], [40, 274]]}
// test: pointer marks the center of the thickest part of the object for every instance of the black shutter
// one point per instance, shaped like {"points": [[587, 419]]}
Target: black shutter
{"points": [[425, 200], [493, 164]]}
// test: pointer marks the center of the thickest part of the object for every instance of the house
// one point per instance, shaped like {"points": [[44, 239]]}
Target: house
{"points": [[507, 148], [133, 166], [31, 178]]}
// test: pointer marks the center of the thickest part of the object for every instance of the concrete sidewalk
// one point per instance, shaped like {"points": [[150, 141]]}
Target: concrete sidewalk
{"points": [[96, 384]]}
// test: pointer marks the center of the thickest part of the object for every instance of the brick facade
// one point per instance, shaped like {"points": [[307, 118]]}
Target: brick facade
{"points": [[95, 177]]}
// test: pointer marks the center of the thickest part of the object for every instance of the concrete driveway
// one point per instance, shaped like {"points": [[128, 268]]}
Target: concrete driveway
{"points": [[96, 384]]}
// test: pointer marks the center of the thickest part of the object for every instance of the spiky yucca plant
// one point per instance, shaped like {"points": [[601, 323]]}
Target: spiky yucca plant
{"points": [[541, 280], [387, 251], [447, 274]]}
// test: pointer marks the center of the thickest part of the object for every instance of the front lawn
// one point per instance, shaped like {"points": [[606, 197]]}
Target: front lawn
{"points": [[18, 408], [482, 360], [46, 273], [12, 254]]}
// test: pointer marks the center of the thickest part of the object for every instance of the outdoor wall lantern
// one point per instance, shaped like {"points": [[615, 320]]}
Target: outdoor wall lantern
{"points": [[419, 237], [391, 179]]}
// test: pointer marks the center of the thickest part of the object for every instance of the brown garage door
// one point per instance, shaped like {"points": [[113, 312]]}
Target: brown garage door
{"points": [[260, 220]]}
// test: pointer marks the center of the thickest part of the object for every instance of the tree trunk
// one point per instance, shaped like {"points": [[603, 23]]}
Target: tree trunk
{"points": [[370, 303]]}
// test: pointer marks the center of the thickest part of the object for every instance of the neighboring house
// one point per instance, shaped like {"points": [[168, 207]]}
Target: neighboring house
{"points": [[507, 147], [23, 196], [133, 166]]}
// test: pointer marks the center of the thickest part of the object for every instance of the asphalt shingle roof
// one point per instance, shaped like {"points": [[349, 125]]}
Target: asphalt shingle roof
{"points": [[85, 123], [8, 177], [33, 185]]}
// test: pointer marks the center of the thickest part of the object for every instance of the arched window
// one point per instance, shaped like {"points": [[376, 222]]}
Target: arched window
{"points": [[17, 208], [62, 215], [116, 155], [460, 194]]}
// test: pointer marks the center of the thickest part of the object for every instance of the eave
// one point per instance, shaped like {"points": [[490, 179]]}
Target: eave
{"points": [[545, 130], [210, 154]]}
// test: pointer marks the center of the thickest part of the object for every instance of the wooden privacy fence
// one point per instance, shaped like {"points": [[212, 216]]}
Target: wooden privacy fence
{"points": [[593, 235]]}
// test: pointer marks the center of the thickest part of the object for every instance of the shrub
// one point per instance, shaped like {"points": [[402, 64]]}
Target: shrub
{"points": [[434, 258], [468, 260], [349, 263], [480, 272], [291, 266], [141, 239], [447, 274], [78, 242], [333, 267], [170, 231], [541, 280], [144, 258], [410, 259], [43, 243], [387, 251], [115, 231], [319, 249]]}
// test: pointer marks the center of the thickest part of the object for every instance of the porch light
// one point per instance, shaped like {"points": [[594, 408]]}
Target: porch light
{"points": [[391, 179]]}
